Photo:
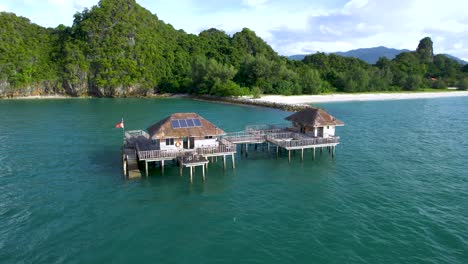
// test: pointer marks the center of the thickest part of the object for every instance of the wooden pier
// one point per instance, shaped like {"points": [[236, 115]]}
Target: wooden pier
{"points": [[198, 142]]}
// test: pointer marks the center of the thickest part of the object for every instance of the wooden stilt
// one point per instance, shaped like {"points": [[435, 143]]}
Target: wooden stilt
{"points": [[146, 168], [233, 161], [246, 149], [321, 150], [268, 146], [289, 156], [125, 167], [203, 171], [180, 168], [302, 154], [333, 152], [191, 174], [162, 167], [277, 152], [256, 147], [313, 153], [224, 162]]}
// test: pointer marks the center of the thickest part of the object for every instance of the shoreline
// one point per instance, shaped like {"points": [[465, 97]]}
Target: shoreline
{"points": [[33, 97], [332, 98], [292, 103]]}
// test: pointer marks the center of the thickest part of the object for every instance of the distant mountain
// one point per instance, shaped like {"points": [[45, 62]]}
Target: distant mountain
{"points": [[297, 57], [462, 62], [372, 55]]}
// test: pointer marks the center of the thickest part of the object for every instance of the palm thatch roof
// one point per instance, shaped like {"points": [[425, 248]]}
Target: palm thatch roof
{"points": [[164, 128], [314, 117]]}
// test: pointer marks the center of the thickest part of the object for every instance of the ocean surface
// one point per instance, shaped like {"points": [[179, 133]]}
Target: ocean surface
{"points": [[397, 191]]}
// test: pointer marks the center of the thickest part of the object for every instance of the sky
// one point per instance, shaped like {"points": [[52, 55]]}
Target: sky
{"points": [[295, 26]]}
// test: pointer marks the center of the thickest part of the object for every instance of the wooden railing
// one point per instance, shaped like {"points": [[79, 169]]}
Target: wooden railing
{"points": [[172, 154], [276, 127], [190, 159], [159, 154], [303, 142], [243, 136], [216, 150], [136, 133]]}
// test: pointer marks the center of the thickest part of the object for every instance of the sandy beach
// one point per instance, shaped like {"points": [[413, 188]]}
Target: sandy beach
{"points": [[306, 99]]}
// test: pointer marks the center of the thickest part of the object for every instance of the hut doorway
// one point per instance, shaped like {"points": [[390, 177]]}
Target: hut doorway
{"points": [[320, 132], [185, 143]]}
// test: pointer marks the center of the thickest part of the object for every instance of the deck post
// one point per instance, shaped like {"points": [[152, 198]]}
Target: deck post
{"points": [[191, 174], [302, 155], [233, 161], [333, 152], [224, 162], [289, 156], [180, 163], [313, 153], [162, 167], [125, 167], [203, 170], [246, 149], [146, 168], [277, 152], [268, 146]]}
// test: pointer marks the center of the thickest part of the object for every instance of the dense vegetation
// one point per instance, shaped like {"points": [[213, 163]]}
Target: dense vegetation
{"points": [[118, 48]]}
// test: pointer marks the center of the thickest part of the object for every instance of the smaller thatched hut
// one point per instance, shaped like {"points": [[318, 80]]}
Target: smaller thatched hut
{"points": [[315, 122]]}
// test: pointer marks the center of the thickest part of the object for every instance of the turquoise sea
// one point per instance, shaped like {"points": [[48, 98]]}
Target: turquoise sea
{"points": [[397, 191]]}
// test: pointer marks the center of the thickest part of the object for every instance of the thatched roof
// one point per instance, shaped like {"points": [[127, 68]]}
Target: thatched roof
{"points": [[164, 128], [314, 117]]}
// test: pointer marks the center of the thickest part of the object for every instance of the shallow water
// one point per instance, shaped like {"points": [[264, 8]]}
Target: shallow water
{"points": [[395, 193]]}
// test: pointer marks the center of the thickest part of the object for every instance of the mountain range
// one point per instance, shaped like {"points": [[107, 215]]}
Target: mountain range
{"points": [[372, 55]]}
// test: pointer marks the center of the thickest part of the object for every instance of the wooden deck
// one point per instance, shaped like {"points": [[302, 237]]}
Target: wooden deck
{"points": [[139, 147], [282, 138]]}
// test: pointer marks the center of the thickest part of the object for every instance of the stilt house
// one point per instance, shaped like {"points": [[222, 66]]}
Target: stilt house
{"points": [[315, 122], [182, 131]]}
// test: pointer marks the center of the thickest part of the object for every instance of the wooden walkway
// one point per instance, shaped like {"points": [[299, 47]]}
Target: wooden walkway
{"points": [[282, 137], [138, 147]]}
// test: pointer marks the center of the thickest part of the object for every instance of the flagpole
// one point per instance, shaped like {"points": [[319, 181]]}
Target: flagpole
{"points": [[123, 130]]}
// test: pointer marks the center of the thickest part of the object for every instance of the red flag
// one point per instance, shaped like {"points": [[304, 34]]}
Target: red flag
{"points": [[120, 125]]}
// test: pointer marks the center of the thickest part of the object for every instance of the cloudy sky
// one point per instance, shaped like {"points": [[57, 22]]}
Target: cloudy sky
{"points": [[296, 26]]}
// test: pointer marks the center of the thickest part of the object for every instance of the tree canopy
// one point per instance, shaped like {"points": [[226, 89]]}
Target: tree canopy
{"points": [[118, 48]]}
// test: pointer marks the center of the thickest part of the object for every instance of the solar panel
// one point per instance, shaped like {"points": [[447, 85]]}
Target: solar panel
{"points": [[175, 124], [183, 123], [190, 123], [197, 122]]}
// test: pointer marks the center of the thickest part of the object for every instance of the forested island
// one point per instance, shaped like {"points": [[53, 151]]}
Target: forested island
{"points": [[119, 49]]}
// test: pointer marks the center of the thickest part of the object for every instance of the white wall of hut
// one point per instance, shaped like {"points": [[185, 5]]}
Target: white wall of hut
{"points": [[199, 143]]}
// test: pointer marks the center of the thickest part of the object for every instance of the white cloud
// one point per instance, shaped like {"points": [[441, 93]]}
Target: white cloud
{"points": [[355, 4], [255, 3]]}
